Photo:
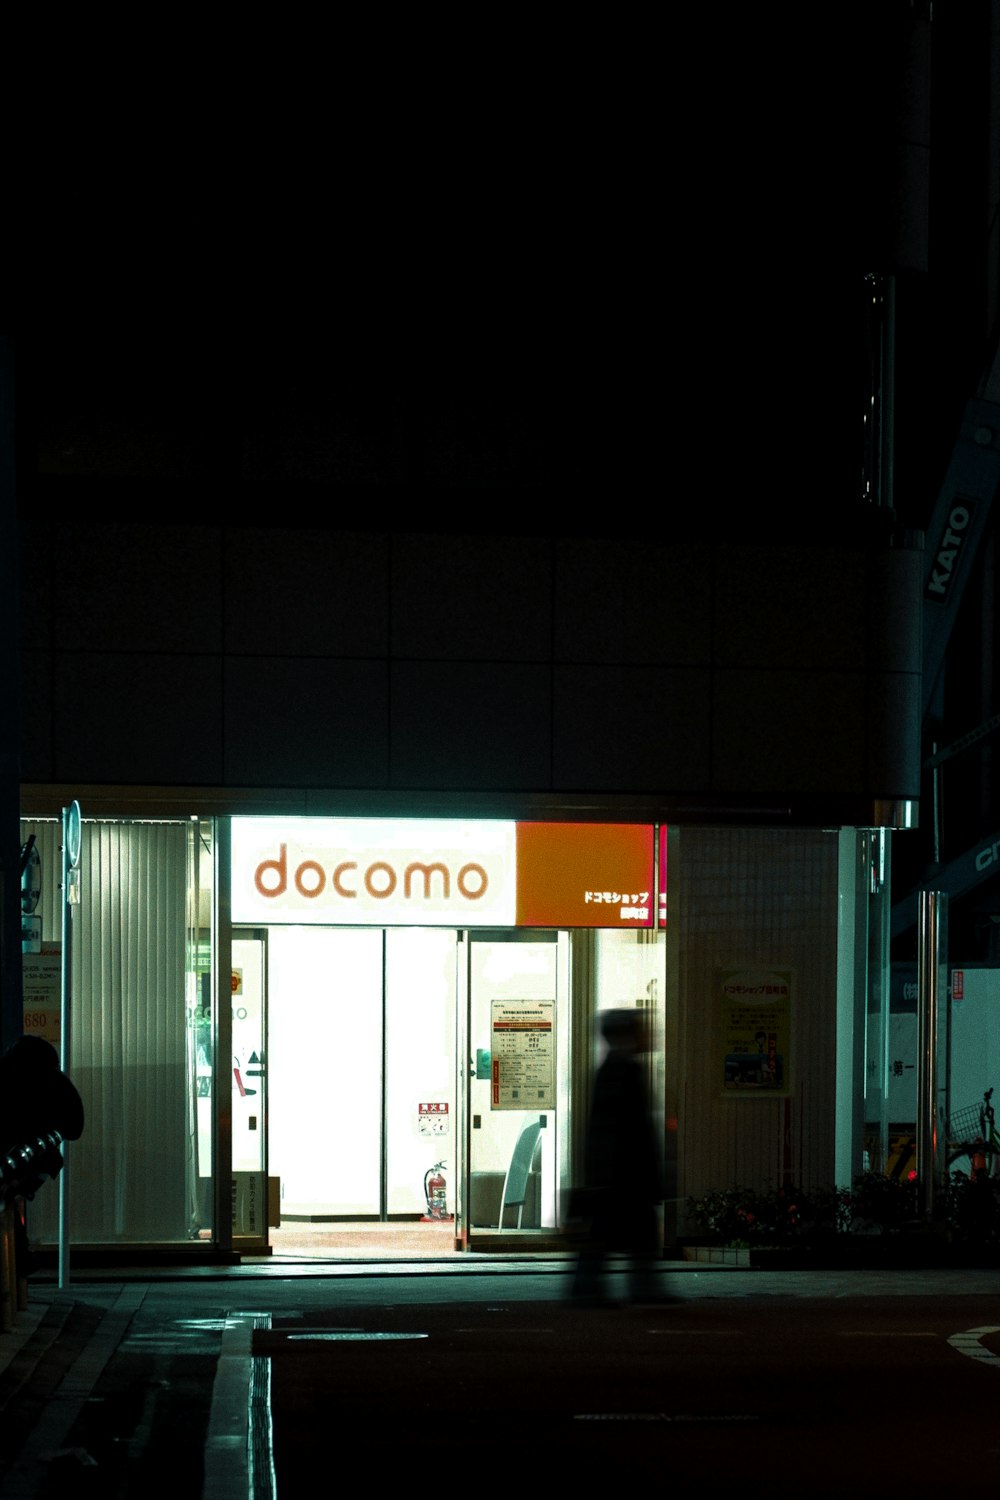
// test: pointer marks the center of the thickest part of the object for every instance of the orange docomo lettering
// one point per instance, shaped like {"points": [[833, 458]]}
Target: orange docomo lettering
{"points": [[380, 879]]}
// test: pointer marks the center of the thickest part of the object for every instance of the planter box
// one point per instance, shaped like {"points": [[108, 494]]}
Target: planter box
{"points": [[862, 1252], [876, 1252], [717, 1255]]}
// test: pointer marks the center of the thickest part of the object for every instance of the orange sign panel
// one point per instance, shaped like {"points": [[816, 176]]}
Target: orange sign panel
{"points": [[585, 875]]}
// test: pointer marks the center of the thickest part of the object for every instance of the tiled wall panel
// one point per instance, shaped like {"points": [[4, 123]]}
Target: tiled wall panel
{"points": [[760, 898]]}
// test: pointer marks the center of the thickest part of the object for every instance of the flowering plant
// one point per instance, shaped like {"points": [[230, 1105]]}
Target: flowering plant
{"points": [[881, 1204], [875, 1204], [785, 1215]]}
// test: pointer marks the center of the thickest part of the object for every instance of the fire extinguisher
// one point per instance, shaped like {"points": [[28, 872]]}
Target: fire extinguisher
{"points": [[435, 1191], [978, 1159]]}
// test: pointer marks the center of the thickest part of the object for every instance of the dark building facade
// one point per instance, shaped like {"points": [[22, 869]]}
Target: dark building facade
{"points": [[275, 618]]}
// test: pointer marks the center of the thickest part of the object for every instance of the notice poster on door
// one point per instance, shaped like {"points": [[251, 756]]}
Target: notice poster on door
{"points": [[756, 1030], [522, 1055]]}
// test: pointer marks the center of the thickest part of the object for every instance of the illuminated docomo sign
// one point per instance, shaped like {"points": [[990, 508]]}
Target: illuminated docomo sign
{"points": [[441, 872], [373, 871], [380, 878]]}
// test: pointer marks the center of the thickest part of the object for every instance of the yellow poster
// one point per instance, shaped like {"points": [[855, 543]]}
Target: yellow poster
{"points": [[756, 1030], [42, 989]]}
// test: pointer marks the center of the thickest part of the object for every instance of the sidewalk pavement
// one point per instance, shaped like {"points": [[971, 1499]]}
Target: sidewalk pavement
{"points": [[67, 1394], [63, 1342], [48, 1303]]}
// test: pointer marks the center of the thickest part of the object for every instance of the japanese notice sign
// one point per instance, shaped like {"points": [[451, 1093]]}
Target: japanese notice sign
{"points": [[42, 989], [522, 1055], [432, 1119], [755, 1030]]}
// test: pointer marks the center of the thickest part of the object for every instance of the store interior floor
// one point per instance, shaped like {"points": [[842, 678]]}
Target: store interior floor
{"points": [[368, 1238]]}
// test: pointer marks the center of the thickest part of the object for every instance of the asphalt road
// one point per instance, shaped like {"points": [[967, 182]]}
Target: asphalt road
{"points": [[245, 1384]]}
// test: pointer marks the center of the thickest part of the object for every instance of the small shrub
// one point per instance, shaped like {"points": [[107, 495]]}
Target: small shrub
{"points": [[971, 1208], [729, 1216], [791, 1215], [883, 1205], [779, 1216]]}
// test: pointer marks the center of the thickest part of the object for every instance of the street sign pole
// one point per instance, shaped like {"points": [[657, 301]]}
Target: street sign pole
{"points": [[70, 901]]}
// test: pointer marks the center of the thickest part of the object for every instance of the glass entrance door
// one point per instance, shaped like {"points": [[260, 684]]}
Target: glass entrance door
{"points": [[519, 1054], [362, 1067], [419, 1073]]}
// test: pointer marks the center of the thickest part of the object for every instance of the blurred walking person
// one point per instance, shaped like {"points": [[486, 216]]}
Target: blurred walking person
{"points": [[623, 1169]]}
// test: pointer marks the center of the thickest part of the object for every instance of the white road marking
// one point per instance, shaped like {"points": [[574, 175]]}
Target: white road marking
{"points": [[969, 1343], [355, 1336], [663, 1416], [492, 1331]]}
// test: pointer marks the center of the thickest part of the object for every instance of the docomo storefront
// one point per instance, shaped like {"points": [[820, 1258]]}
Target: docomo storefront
{"points": [[442, 873], [416, 996], [316, 1018]]}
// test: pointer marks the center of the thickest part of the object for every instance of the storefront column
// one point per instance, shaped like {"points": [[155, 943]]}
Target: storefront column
{"points": [[222, 1091]]}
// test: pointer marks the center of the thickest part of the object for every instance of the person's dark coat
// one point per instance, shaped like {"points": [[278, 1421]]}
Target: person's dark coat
{"points": [[623, 1165]]}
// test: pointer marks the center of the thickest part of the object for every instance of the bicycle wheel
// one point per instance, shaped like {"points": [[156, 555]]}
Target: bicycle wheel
{"points": [[959, 1157]]}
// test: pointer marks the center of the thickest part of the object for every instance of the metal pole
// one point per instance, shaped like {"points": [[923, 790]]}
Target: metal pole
{"points": [[932, 950], [72, 830], [888, 425], [66, 970], [936, 814]]}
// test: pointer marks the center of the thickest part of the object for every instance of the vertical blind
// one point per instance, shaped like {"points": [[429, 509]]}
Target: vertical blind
{"points": [[130, 1174]]}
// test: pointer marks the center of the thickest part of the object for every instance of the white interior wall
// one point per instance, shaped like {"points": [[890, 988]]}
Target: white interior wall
{"points": [[325, 1068], [420, 1063]]}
